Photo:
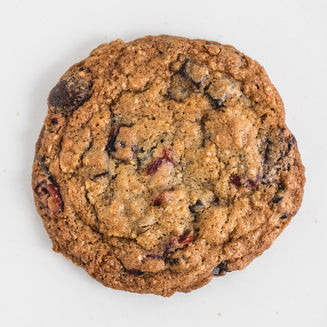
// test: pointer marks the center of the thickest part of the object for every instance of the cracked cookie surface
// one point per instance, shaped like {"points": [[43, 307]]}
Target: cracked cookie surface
{"points": [[164, 162]]}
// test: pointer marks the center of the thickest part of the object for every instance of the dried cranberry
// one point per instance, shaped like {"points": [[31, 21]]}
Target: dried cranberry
{"points": [[152, 169], [235, 180], [157, 201], [178, 242], [252, 184], [186, 239], [47, 191]]}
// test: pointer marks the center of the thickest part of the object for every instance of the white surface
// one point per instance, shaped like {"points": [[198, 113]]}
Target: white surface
{"points": [[39, 41]]}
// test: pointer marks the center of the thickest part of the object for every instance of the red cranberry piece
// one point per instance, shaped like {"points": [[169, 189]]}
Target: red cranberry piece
{"points": [[157, 201], [186, 239], [178, 242], [152, 169], [252, 184], [49, 196], [235, 180]]}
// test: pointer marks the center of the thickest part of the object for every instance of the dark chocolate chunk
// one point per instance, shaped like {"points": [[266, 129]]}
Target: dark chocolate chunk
{"points": [[112, 140], [221, 269], [173, 261], [135, 272], [100, 175], [277, 199], [180, 88], [291, 141], [197, 206], [194, 72], [285, 215], [217, 103], [135, 148], [54, 121], [122, 144], [71, 91], [43, 166], [119, 141]]}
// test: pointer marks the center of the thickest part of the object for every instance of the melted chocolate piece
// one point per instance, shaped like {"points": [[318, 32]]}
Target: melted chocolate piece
{"points": [[72, 91], [221, 269]]}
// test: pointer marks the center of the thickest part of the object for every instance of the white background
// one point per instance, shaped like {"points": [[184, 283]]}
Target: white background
{"points": [[39, 40]]}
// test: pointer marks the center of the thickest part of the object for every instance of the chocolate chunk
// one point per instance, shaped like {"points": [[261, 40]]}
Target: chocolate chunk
{"points": [[43, 166], [112, 140], [135, 148], [135, 272], [173, 261], [291, 141], [285, 215], [121, 143], [49, 197], [100, 175], [277, 199], [197, 206], [54, 121], [71, 91], [217, 103], [219, 89], [194, 72], [221, 269], [179, 88], [267, 150]]}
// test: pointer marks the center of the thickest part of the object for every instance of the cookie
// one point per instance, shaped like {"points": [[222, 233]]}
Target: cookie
{"points": [[163, 162]]}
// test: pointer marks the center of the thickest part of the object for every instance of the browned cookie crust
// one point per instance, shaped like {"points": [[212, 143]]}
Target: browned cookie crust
{"points": [[163, 162]]}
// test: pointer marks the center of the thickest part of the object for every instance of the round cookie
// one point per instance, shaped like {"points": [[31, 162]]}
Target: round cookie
{"points": [[164, 162]]}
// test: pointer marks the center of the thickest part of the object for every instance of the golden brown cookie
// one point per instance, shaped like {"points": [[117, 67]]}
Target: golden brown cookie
{"points": [[164, 162]]}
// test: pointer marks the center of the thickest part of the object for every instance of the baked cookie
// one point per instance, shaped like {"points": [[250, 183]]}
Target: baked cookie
{"points": [[164, 162]]}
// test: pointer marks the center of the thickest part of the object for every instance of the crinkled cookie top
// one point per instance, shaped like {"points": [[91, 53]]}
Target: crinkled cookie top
{"points": [[163, 162]]}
